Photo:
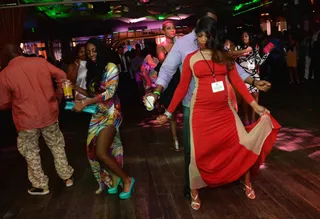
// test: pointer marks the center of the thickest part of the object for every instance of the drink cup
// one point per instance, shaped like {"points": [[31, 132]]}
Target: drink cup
{"points": [[67, 90], [150, 103]]}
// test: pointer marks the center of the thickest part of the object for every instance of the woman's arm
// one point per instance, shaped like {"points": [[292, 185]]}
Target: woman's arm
{"points": [[182, 88], [72, 72], [237, 53], [242, 89], [83, 91], [161, 53], [240, 86], [110, 82], [258, 58]]}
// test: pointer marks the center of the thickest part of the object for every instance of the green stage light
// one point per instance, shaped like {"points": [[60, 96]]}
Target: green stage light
{"points": [[238, 7], [250, 9]]}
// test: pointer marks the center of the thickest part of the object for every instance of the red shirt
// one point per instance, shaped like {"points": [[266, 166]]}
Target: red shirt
{"points": [[26, 86]]}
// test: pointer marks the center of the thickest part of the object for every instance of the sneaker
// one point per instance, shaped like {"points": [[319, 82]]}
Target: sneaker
{"points": [[37, 191], [69, 182]]}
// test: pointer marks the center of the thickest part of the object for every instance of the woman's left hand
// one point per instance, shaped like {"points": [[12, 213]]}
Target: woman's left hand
{"points": [[261, 110], [162, 119], [78, 107]]}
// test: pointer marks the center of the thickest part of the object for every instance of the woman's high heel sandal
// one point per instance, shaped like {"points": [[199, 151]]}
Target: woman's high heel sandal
{"points": [[101, 189], [250, 194], [114, 190], [127, 195], [176, 145], [194, 204]]}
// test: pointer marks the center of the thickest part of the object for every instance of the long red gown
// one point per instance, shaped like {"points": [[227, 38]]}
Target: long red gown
{"points": [[222, 149]]}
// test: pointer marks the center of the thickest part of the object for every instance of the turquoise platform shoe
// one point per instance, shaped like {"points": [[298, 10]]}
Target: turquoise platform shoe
{"points": [[127, 195]]}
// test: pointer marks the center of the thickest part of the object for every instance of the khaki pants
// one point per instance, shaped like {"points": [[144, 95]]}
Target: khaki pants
{"points": [[28, 146]]}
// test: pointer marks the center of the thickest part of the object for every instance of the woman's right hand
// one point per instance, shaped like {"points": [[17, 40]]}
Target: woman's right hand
{"points": [[162, 119], [77, 62]]}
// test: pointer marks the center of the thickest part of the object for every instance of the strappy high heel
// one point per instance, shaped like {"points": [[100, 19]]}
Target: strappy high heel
{"points": [[194, 204], [251, 195], [176, 145], [101, 189]]}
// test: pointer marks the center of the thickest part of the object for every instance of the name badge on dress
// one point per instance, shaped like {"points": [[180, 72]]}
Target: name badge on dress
{"points": [[217, 86]]}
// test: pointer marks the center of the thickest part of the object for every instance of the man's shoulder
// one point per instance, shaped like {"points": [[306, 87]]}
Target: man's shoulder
{"points": [[188, 36]]}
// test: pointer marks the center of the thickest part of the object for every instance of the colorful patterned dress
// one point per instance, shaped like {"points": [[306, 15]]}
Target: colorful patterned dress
{"points": [[109, 114], [148, 73], [251, 63]]}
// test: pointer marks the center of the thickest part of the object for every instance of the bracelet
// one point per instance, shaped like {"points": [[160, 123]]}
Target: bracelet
{"points": [[168, 114], [157, 93], [253, 82]]}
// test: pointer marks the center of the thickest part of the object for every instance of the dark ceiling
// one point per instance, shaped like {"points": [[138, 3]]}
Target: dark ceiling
{"points": [[99, 9], [58, 18]]}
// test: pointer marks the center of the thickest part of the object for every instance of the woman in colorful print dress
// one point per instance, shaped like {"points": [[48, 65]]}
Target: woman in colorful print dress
{"points": [[104, 146], [222, 150]]}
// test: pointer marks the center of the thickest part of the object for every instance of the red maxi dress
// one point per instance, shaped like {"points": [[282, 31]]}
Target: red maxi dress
{"points": [[222, 149]]}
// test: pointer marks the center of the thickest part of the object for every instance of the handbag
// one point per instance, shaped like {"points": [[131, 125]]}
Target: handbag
{"points": [[92, 109]]}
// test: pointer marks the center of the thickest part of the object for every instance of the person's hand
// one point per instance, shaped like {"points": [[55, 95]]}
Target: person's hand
{"points": [[149, 94], [260, 110], [77, 62], [79, 106], [262, 85], [162, 119], [248, 49]]}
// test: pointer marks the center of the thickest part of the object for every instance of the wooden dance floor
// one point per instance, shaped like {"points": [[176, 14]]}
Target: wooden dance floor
{"points": [[288, 186]]}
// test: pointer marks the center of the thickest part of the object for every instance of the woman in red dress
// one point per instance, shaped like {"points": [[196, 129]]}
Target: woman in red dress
{"points": [[222, 149]]}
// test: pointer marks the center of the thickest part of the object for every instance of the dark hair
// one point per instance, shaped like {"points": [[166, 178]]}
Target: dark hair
{"points": [[96, 70], [78, 47], [252, 41], [215, 42], [74, 53]]}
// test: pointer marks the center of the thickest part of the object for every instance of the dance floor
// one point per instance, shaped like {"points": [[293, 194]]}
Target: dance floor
{"points": [[288, 186]]}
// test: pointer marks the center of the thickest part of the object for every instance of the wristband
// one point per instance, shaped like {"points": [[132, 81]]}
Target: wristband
{"points": [[169, 115], [157, 93]]}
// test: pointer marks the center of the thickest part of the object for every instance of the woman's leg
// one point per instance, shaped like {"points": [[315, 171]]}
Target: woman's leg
{"points": [[173, 125], [247, 186], [104, 142], [256, 97]]}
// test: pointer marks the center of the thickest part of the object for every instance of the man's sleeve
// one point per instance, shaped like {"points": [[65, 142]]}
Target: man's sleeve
{"points": [[170, 66]]}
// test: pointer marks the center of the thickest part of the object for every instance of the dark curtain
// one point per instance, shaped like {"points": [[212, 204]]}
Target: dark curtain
{"points": [[11, 26]]}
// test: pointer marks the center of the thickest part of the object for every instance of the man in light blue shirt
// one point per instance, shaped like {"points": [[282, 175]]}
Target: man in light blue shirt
{"points": [[182, 47]]}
